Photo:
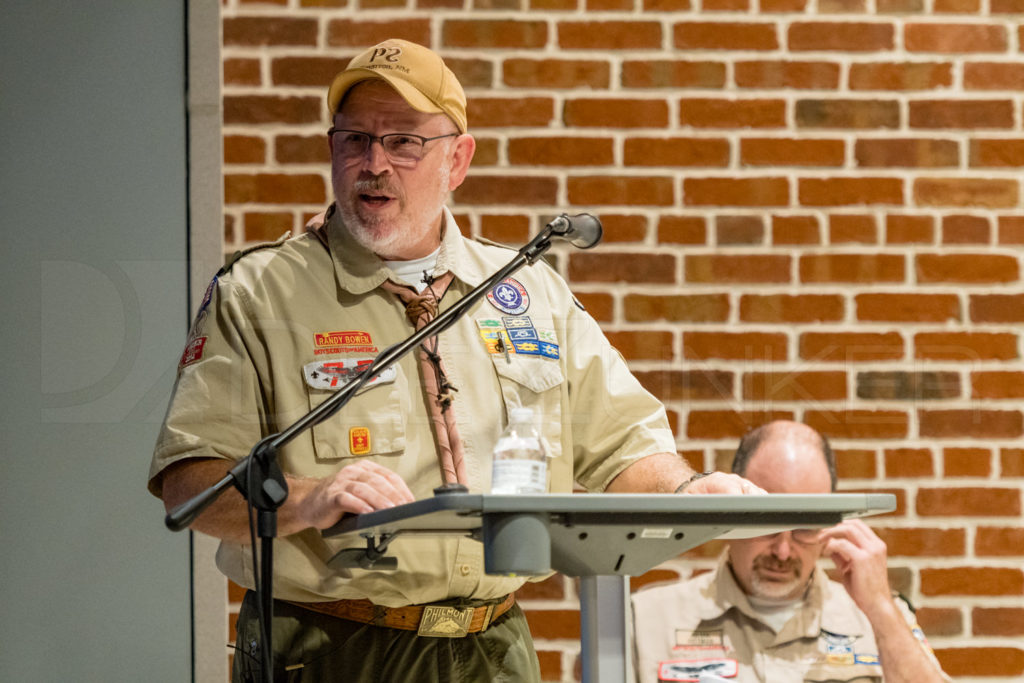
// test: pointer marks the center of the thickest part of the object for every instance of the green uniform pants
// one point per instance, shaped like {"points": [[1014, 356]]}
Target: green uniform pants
{"points": [[310, 647]]}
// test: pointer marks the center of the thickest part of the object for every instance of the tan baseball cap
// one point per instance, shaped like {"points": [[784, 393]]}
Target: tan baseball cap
{"points": [[417, 73]]}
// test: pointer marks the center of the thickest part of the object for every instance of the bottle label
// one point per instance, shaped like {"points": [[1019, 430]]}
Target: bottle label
{"points": [[519, 476]]}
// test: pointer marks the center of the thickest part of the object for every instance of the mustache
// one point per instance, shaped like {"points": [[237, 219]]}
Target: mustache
{"points": [[770, 563], [377, 183]]}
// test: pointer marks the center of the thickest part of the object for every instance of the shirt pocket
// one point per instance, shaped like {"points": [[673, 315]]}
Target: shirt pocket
{"points": [[372, 423], [844, 673], [532, 382]]}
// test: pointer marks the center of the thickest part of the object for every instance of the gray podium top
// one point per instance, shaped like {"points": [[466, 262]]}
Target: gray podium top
{"points": [[603, 534]]}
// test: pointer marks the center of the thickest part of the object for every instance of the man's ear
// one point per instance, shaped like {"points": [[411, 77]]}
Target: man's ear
{"points": [[462, 155]]}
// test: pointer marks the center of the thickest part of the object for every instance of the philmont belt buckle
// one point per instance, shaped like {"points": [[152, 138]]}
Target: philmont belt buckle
{"points": [[445, 622]]}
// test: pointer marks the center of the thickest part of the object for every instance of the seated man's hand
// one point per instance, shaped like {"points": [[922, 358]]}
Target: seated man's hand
{"points": [[860, 557], [722, 482]]}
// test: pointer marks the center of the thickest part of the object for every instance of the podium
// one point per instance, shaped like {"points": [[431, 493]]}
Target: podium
{"points": [[600, 538]]}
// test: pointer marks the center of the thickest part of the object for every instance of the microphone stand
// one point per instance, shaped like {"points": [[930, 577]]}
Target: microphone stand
{"points": [[258, 476]]}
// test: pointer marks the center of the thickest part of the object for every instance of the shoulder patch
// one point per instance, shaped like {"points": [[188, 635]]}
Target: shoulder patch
{"points": [[234, 258]]}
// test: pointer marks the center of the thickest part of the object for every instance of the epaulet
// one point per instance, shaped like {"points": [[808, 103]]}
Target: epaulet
{"points": [[492, 243], [234, 258]]}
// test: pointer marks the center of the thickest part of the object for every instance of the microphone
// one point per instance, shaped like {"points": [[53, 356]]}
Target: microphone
{"points": [[582, 230]]}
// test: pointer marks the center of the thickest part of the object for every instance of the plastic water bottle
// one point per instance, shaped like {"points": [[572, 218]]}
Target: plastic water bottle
{"points": [[520, 461]]}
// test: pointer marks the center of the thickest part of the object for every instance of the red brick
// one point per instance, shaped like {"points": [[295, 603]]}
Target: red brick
{"points": [[623, 228], [609, 35], [997, 308], [851, 347], [961, 114], [900, 229], [997, 384], [484, 112], [957, 6], [1011, 460], [727, 424], [666, 5], [550, 663], [997, 153], [622, 267], [240, 71], [993, 76], [907, 542], [965, 346], [972, 581], [244, 149], [266, 227], [806, 387], [494, 33], [274, 188], [676, 308], [899, 385], [850, 191], [907, 153], [721, 268], [708, 35], [966, 268], [766, 191], [795, 230], [654, 576], [619, 190], [672, 74], [940, 621], [786, 308], [601, 306], [302, 149], [616, 113], [863, 268], [999, 541], [981, 661], [305, 71], [760, 346], [966, 462], [965, 230], [507, 189], [855, 464], [954, 38], [551, 588], [275, 31], [682, 230], [560, 151], [487, 151], [997, 621], [1007, 6], [901, 76], [792, 152], [798, 6], [683, 385], [964, 501], [260, 109], [703, 112], [785, 74], [646, 345], [908, 462], [840, 36], [852, 229], [505, 229], [553, 623], [1011, 230], [976, 423], [738, 230], [900, 6], [555, 73], [678, 152], [935, 308], [472, 72], [846, 113], [859, 424]]}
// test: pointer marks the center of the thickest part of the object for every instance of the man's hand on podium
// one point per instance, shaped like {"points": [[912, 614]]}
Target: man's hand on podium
{"points": [[722, 482]]}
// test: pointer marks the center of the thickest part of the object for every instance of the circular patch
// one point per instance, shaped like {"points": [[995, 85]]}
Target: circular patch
{"points": [[509, 296]]}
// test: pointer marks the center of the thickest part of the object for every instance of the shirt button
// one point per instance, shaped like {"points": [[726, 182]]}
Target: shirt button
{"points": [[464, 569]]}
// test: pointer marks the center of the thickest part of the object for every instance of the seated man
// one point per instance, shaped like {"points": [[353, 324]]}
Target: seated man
{"points": [[767, 613]]}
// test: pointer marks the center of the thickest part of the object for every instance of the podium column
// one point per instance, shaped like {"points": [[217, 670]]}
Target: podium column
{"points": [[605, 625]]}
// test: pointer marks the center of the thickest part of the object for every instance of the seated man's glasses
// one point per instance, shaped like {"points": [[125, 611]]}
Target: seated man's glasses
{"points": [[400, 148]]}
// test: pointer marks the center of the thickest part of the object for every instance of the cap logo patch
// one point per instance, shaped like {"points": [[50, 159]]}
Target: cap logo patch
{"points": [[509, 296]]}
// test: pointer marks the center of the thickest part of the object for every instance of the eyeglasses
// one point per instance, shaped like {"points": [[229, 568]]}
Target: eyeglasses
{"points": [[803, 536], [400, 148]]}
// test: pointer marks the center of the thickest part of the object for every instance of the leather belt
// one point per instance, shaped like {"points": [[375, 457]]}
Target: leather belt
{"points": [[436, 621]]}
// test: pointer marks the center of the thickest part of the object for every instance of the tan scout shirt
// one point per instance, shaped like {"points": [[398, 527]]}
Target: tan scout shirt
{"points": [[287, 322], [706, 625]]}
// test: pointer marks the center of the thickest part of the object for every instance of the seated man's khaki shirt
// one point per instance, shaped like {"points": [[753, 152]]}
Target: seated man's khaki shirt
{"points": [[282, 330], [706, 625]]}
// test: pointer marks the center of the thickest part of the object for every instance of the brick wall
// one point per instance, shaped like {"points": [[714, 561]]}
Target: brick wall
{"points": [[812, 211]]}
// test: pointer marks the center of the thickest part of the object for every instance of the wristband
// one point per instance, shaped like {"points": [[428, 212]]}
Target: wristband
{"points": [[695, 477]]}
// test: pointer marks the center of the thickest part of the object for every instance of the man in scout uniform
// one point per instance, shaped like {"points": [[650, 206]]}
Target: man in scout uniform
{"points": [[283, 327], [767, 613]]}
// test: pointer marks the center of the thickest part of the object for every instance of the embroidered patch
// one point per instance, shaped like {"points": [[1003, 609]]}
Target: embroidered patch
{"points": [[495, 337], [343, 341], [359, 440], [334, 374], [694, 669], [867, 659], [509, 296], [193, 351]]}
